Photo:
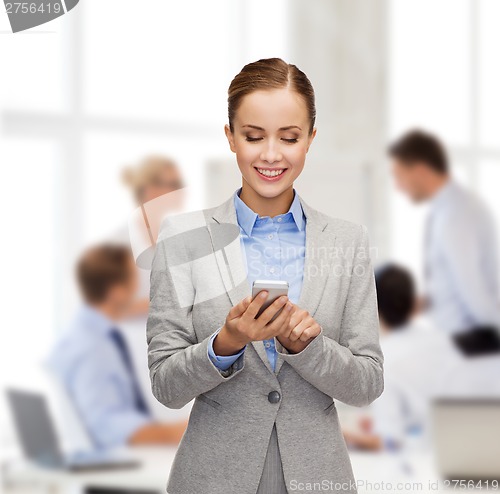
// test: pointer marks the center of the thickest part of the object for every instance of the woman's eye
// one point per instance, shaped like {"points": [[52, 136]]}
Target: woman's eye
{"points": [[255, 139]]}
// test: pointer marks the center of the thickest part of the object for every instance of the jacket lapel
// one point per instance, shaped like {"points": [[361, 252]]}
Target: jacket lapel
{"points": [[230, 263], [228, 254]]}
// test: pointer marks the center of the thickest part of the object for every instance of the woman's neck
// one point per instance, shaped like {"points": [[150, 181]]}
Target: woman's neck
{"points": [[267, 206]]}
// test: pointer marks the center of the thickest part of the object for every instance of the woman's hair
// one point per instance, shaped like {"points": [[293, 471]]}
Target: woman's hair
{"points": [[147, 172], [270, 73]]}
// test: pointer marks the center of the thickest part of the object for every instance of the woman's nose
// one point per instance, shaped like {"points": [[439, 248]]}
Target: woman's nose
{"points": [[271, 154]]}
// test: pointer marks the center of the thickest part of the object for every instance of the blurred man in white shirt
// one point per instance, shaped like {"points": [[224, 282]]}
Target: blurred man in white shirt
{"points": [[461, 265]]}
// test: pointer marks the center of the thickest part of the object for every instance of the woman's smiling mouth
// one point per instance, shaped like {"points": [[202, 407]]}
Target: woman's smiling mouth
{"points": [[271, 174]]}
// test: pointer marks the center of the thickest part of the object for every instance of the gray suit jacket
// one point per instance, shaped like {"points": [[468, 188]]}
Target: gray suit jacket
{"points": [[198, 274]]}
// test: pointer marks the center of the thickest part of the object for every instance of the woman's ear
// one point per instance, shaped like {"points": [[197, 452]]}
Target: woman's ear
{"points": [[311, 138], [230, 138]]}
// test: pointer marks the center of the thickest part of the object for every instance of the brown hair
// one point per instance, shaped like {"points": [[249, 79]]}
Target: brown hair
{"points": [[395, 294], [147, 172], [102, 267], [418, 145], [270, 73]]}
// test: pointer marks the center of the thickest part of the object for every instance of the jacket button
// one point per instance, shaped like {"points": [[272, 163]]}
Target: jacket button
{"points": [[273, 397]]}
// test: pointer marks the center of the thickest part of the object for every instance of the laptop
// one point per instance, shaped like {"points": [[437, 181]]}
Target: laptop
{"points": [[40, 443], [466, 434]]}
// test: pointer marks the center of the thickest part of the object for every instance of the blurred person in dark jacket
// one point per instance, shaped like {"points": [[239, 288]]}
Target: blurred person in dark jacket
{"points": [[460, 257], [415, 357], [93, 362]]}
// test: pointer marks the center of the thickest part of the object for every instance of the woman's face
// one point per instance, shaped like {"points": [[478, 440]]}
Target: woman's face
{"points": [[271, 139]]}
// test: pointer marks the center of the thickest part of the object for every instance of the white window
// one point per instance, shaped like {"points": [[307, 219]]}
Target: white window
{"points": [[444, 76]]}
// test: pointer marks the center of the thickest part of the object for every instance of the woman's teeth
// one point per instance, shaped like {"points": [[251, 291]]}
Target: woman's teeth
{"points": [[268, 173]]}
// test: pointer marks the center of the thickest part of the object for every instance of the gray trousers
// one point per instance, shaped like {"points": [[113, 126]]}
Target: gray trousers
{"points": [[272, 480]]}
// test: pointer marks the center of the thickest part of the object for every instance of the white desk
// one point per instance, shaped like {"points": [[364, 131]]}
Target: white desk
{"points": [[152, 474], [413, 472], [156, 463]]}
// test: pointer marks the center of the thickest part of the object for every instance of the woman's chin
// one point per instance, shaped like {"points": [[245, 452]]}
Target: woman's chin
{"points": [[271, 190]]}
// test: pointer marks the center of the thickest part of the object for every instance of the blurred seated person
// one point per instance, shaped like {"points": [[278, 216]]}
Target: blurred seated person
{"points": [[93, 362], [153, 177], [414, 358]]}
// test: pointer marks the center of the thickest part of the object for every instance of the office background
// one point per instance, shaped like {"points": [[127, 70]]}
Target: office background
{"points": [[110, 82]]}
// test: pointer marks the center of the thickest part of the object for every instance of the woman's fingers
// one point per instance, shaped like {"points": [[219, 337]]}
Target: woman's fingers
{"points": [[268, 314], [292, 322], [305, 331], [282, 320], [298, 330], [255, 305], [304, 326], [240, 308], [243, 314], [310, 332]]}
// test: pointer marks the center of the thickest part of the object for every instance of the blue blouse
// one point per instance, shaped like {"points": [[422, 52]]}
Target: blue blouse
{"points": [[273, 249]]}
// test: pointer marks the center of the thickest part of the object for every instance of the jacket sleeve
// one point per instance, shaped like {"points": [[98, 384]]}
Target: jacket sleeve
{"points": [[350, 370], [179, 366]]}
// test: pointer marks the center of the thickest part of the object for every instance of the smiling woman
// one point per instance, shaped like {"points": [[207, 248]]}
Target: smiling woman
{"points": [[271, 126], [274, 380]]}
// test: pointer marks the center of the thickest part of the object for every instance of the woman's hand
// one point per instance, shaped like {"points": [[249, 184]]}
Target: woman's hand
{"points": [[302, 330], [241, 327]]}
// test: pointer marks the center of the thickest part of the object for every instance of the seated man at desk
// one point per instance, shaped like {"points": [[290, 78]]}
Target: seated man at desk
{"points": [[415, 357], [92, 359]]}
